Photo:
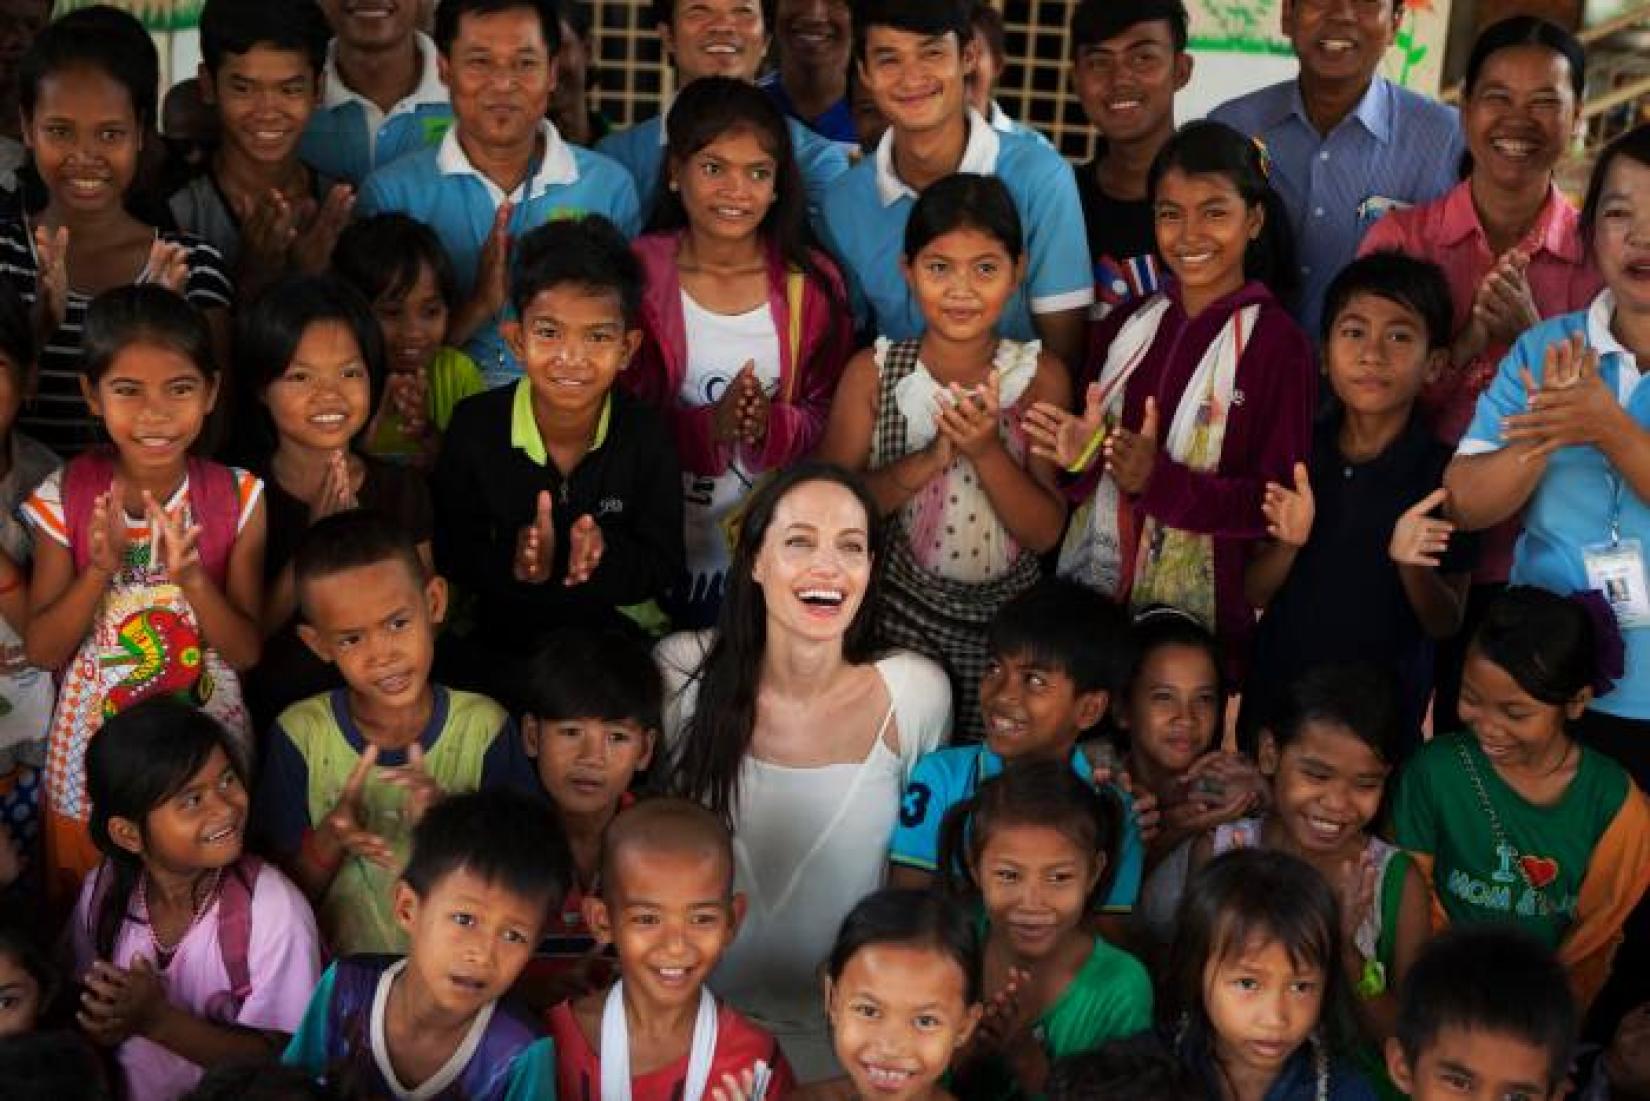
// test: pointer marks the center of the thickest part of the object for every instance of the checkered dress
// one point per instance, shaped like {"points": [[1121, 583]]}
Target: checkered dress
{"points": [[934, 615]]}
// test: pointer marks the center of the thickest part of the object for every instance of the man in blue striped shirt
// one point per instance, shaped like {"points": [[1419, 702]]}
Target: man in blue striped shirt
{"points": [[1346, 145]]}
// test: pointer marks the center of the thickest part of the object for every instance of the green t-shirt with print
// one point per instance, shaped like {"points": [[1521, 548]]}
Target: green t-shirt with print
{"points": [[1531, 870]]}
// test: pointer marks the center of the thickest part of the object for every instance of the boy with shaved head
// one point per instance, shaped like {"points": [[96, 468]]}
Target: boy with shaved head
{"points": [[667, 905]]}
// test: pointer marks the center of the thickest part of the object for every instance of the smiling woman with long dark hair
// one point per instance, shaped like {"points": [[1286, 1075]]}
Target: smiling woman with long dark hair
{"points": [[790, 723]]}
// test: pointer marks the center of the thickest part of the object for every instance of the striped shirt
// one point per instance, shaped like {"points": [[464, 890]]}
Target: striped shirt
{"points": [[57, 415], [1395, 149]]}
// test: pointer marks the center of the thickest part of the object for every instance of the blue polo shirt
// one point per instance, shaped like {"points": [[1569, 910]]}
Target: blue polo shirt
{"points": [[349, 136], [946, 777], [442, 189], [836, 124], [864, 226], [1570, 508], [1395, 149], [641, 149]]}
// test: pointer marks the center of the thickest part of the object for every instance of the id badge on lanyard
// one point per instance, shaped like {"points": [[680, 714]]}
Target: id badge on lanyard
{"points": [[1616, 569]]}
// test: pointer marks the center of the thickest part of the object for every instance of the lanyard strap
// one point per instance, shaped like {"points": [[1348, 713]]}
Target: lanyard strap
{"points": [[616, 1048]]}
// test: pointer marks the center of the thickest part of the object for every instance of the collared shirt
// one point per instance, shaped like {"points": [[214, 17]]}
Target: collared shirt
{"points": [[524, 426], [836, 123], [641, 149], [350, 136], [1004, 123], [864, 226], [443, 189], [1573, 503], [1395, 149]]}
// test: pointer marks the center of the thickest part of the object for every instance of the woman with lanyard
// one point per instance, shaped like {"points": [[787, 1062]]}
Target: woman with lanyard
{"points": [[1509, 244], [787, 722], [1563, 436]]}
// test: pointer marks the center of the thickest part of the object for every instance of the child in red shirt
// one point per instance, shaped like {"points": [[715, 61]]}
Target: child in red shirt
{"points": [[668, 906]]}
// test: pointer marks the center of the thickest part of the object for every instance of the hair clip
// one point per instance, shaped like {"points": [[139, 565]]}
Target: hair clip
{"points": [[1265, 155]]}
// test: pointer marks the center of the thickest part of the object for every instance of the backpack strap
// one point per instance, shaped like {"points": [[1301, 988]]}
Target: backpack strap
{"points": [[213, 497], [235, 925], [85, 478], [215, 503]]}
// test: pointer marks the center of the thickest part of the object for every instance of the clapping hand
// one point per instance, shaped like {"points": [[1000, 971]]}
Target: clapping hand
{"points": [[1061, 438], [1289, 512], [1130, 456]]}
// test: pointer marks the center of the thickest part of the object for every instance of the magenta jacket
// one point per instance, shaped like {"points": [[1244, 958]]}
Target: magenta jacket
{"points": [[805, 390], [1268, 430]]}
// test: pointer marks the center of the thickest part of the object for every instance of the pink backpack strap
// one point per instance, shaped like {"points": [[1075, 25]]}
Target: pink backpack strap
{"points": [[213, 496], [235, 925], [85, 478], [216, 503]]}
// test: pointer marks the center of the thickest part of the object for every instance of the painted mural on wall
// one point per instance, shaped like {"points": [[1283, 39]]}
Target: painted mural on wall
{"points": [[1240, 46]]}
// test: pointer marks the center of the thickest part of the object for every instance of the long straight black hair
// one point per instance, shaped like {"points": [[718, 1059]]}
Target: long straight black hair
{"points": [[141, 758], [717, 736], [1206, 148]]}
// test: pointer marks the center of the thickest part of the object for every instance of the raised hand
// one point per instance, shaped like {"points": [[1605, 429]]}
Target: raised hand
{"points": [[968, 419], [408, 393], [268, 226], [755, 410], [536, 545], [1130, 456], [1570, 406], [414, 779], [493, 267], [1069, 442], [727, 416], [334, 494], [168, 266], [584, 550], [345, 824], [1359, 879], [51, 251], [1000, 1022], [176, 543], [1289, 512], [1419, 538], [119, 1003], [108, 531], [1504, 304], [310, 248]]}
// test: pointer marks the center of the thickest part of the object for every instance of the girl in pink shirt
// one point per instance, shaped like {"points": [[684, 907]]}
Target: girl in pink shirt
{"points": [[191, 953]]}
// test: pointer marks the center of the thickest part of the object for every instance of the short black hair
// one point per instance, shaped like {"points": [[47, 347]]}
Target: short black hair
{"points": [[1527, 30], [17, 341], [237, 26], [911, 919], [269, 329], [1068, 627], [381, 256], [664, 12], [987, 22], [57, 1065], [101, 37], [1635, 146], [450, 13], [1490, 978], [1415, 284], [261, 1082], [1548, 643], [505, 837], [929, 18], [965, 200], [143, 313], [351, 540], [604, 674], [1097, 21], [1360, 696], [588, 252], [1132, 1068]]}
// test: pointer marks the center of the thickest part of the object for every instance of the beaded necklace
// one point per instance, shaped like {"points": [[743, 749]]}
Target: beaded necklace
{"points": [[203, 900]]}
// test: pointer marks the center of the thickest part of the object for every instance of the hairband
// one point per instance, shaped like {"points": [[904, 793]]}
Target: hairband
{"points": [[1609, 649], [1265, 155], [1166, 611]]}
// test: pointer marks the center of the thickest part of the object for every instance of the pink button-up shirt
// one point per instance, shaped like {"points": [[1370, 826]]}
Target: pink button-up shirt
{"points": [[1562, 280]]}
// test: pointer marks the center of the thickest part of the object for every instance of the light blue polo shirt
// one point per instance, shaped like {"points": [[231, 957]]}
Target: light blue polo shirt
{"points": [[866, 212], [442, 189], [349, 136], [946, 777], [1570, 508], [641, 149], [1396, 148]]}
